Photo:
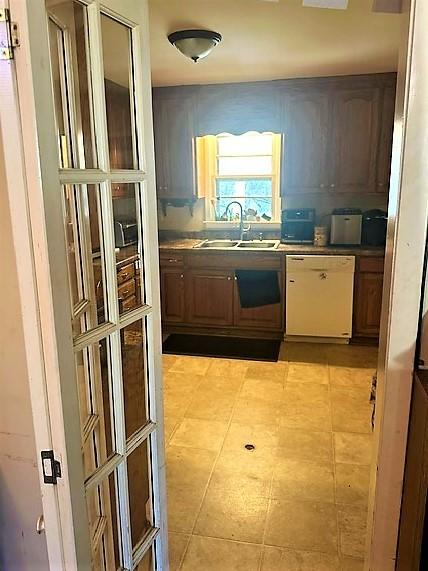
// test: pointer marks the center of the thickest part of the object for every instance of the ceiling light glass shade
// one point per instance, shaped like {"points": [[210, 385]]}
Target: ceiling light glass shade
{"points": [[195, 44]]}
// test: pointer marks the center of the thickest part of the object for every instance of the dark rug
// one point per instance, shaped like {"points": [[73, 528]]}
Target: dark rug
{"points": [[223, 347]]}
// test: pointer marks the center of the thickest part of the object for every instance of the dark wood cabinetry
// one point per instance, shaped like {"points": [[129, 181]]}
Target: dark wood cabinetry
{"points": [[174, 146], [368, 297], [306, 124], [209, 297], [265, 317], [337, 131], [119, 128], [412, 554], [172, 288], [199, 292], [385, 142], [355, 136]]}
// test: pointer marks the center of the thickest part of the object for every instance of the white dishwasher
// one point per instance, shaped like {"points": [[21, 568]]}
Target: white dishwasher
{"points": [[319, 296]]}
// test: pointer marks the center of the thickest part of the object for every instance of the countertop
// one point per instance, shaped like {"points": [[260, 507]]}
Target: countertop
{"points": [[189, 243]]}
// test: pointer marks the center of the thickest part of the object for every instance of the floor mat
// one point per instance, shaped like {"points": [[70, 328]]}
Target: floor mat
{"points": [[223, 347]]}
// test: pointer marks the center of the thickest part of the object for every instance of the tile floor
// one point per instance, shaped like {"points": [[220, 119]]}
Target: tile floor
{"points": [[298, 501]]}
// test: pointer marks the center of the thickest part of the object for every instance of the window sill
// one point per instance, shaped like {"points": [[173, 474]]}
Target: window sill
{"points": [[218, 225]]}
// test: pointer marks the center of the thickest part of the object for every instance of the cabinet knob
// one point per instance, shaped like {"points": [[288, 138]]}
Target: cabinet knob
{"points": [[322, 185], [228, 278], [332, 185], [182, 276], [380, 183]]}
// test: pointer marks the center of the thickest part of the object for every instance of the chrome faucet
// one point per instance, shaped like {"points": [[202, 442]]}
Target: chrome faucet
{"points": [[242, 230]]}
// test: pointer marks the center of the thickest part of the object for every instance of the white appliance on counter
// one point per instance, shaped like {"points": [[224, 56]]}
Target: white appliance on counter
{"points": [[319, 297]]}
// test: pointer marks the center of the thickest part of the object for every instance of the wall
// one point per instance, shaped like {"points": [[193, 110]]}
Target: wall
{"points": [[179, 219], [21, 548], [325, 203]]}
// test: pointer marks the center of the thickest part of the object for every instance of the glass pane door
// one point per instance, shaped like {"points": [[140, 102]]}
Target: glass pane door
{"points": [[101, 158]]}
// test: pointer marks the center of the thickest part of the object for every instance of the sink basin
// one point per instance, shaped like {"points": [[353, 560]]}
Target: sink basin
{"points": [[244, 245], [217, 244], [259, 244]]}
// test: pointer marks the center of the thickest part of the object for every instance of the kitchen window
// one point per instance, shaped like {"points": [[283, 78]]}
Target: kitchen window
{"points": [[243, 168]]}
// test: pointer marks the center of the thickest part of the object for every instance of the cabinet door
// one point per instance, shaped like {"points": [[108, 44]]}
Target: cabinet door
{"points": [[174, 146], [368, 304], [172, 295], [385, 142], [210, 298], [265, 317], [119, 134], [355, 133], [305, 143]]}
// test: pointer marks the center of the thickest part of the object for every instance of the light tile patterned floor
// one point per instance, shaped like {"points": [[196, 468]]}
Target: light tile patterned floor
{"points": [[298, 501]]}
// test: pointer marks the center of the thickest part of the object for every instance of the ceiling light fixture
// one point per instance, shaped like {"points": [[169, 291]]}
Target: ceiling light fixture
{"points": [[195, 44]]}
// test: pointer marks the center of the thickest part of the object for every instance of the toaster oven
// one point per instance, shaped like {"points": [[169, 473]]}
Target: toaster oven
{"points": [[125, 232]]}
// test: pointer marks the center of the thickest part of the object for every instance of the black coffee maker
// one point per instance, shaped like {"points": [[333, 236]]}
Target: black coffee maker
{"points": [[374, 228]]}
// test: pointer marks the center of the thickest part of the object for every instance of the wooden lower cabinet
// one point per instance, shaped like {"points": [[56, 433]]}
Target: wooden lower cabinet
{"points": [[265, 317], [368, 297], [209, 296], [172, 295]]}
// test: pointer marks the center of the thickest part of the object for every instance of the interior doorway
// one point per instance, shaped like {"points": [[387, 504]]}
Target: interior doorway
{"points": [[87, 339]]}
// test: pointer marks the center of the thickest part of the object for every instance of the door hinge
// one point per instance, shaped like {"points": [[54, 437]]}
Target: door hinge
{"points": [[51, 467], [9, 35]]}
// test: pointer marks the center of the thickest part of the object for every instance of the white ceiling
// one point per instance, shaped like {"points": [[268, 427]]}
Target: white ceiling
{"points": [[272, 40]]}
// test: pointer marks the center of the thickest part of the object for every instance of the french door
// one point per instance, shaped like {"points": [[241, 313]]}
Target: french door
{"points": [[92, 100]]}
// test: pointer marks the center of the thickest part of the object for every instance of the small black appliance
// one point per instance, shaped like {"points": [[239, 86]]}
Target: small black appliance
{"points": [[297, 226], [374, 228], [125, 232]]}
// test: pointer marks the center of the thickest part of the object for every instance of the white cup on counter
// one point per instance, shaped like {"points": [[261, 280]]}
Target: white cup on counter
{"points": [[320, 236]]}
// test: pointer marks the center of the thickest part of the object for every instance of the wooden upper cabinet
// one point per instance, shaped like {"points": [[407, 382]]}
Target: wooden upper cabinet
{"points": [[174, 145], [355, 137], [119, 127], [385, 140], [209, 297], [304, 152], [118, 110]]}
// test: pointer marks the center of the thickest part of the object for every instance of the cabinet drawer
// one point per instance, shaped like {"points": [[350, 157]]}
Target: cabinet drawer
{"points": [[233, 261], [125, 273], [126, 289], [373, 265], [129, 303], [171, 259]]}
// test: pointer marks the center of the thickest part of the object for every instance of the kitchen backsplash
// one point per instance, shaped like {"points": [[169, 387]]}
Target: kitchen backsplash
{"points": [[179, 219]]}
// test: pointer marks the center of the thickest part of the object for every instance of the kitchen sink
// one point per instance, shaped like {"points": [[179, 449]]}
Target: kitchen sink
{"points": [[241, 244], [259, 244], [217, 244]]}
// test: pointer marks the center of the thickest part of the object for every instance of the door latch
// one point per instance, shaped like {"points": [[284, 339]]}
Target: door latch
{"points": [[51, 467], [9, 35]]}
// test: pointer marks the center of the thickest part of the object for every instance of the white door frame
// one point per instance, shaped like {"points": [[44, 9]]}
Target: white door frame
{"points": [[27, 137], [406, 238], [29, 234]]}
